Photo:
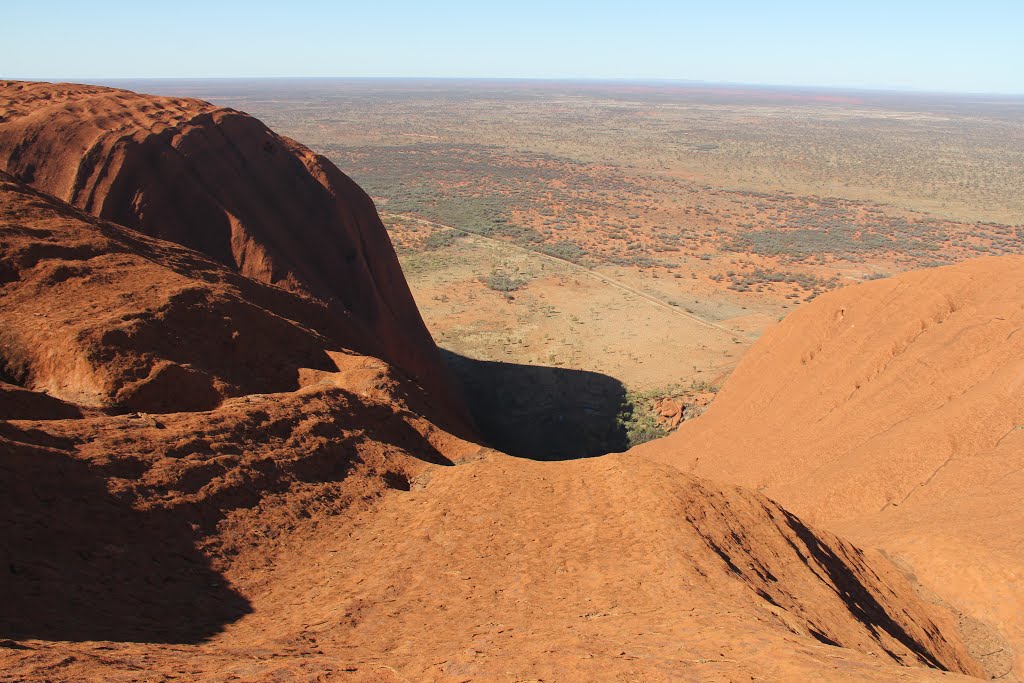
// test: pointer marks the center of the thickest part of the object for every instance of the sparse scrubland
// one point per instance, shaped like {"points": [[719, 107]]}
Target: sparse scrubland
{"points": [[731, 207]]}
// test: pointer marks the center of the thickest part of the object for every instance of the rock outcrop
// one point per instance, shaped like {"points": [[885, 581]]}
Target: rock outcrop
{"points": [[221, 183], [101, 316]]}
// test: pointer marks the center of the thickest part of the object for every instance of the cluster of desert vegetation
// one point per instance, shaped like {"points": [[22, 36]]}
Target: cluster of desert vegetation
{"points": [[526, 213]]}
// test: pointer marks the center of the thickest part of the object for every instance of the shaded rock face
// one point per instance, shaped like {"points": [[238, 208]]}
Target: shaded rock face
{"points": [[220, 182], [100, 316]]}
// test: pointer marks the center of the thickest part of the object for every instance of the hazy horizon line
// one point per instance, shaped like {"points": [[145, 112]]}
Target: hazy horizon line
{"points": [[534, 79]]}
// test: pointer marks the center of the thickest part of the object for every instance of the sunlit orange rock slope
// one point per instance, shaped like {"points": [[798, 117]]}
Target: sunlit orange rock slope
{"points": [[893, 412], [208, 477]]}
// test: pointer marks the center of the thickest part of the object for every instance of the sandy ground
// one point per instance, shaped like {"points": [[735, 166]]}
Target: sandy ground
{"points": [[565, 317]]}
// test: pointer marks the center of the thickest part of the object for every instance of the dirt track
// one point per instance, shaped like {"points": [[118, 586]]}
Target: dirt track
{"points": [[577, 267]]}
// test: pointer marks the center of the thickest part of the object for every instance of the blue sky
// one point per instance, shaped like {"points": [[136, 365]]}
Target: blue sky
{"points": [[954, 46]]}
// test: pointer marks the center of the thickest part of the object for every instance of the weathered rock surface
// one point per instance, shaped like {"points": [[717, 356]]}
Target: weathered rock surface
{"points": [[101, 316], [220, 182]]}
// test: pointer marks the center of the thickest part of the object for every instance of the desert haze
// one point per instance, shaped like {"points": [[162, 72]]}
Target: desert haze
{"points": [[563, 381]]}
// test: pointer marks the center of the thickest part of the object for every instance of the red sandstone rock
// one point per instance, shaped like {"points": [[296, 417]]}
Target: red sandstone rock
{"points": [[220, 182], [891, 411]]}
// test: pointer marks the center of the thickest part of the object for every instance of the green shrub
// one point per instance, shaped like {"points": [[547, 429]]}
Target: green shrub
{"points": [[501, 281], [442, 239]]}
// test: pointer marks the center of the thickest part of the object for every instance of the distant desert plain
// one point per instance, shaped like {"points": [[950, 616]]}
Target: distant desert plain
{"points": [[636, 238]]}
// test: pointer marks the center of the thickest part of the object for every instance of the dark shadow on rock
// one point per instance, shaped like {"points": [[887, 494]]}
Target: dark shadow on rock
{"points": [[77, 563], [397, 432], [17, 403], [863, 605], [539, 412]]}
